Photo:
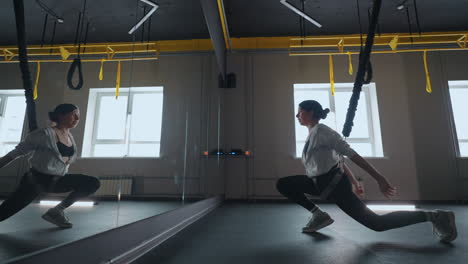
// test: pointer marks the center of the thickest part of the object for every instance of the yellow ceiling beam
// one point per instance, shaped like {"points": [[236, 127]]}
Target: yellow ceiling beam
{"points": [[295, 45]]}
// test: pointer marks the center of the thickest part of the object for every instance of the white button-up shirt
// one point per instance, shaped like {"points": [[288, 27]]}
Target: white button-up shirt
{"points": [[324, 150]]}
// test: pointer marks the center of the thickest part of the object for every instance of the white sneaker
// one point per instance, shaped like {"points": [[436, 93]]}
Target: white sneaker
{"points": [[317, 221], [444, 226], [57, 217]]}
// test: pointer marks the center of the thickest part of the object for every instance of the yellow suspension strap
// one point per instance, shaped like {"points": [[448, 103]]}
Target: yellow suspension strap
{"points": [[38, 73], [332, 75], [428, 77], [117, 82], [101, 71], [350, 62], [64, 53]]}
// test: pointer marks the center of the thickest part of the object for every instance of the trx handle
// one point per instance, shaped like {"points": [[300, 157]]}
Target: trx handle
{"points": [[23, 58], [364, 67], [75, 65]]}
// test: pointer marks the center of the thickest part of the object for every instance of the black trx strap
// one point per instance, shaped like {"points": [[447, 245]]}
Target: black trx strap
{"points": [[417, 17], [363, 67], [148, 34], [44, 27], [53, 37], [76, 65], [368, 72], [409, 24], [143, 26], [23, 58]]}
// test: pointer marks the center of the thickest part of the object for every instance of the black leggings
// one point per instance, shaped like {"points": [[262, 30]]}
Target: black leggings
{"points": [[294, 188], [35, 183]]}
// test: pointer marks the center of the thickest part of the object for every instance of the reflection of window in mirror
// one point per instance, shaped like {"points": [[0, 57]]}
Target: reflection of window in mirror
{"points": [[123, 126], [365, 138], [12, 112], [459, 97]]}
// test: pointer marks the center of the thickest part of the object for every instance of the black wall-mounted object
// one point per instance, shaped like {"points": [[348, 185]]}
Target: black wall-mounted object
{"points": [[228, 82], [231, 153]]}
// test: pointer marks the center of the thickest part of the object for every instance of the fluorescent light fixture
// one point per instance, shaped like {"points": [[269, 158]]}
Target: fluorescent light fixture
{"points": [[143, 20], [299, 12], [401, 6], [380, 207], [77, 204]]}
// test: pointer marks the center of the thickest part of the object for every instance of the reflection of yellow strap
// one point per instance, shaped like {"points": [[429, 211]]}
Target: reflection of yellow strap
{"points": [[332, 77], [38, 73], [101, 71], [350, 69], [394, 43], [428, 77], [117, 82]]}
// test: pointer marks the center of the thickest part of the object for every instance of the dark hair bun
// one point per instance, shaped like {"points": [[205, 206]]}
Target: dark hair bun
{"points": [[325, 113], [61, 109], [53, 117]]}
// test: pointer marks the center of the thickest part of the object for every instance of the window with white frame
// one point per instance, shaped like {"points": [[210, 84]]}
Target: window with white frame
{"points": [[459, 97], [365, 136], [12, 113], [127, 126]]}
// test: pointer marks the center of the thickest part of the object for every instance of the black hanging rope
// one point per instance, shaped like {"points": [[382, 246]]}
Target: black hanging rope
{"points": [[86, 36], [149, 31], [76, 65], [368, 72], [359, 21], [369, 20], [23, 58], [52, 40], [417, 16], [143, 26], [409, 24], [77, 29], [363, 67], [44, 27], [304, 29]]}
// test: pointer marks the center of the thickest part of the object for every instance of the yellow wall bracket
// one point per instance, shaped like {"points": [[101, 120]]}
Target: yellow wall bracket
{"points": [[341, 45], [110, 53], [462, 41], [8, 55]]}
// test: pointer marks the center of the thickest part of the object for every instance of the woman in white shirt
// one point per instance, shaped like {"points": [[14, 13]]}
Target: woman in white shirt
{"points": [[322, 158], [53, 150]]}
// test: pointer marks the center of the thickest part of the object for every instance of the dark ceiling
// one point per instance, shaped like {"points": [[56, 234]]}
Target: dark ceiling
{"points": [[183, 19]]}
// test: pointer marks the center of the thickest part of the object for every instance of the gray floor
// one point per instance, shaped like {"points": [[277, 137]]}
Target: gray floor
{"points": [[26, 232], [270, 233]]}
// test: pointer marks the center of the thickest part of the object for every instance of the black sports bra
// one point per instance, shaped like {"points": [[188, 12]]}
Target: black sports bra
{"points": [[65, 150]]}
